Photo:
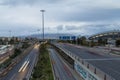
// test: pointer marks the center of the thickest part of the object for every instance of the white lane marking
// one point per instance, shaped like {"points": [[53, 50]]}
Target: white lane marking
{"points": [[25, 66], [22, 66]]}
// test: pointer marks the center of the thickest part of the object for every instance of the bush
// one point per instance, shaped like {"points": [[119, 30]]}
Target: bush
{"points": [[16, 53], [43, 70]]}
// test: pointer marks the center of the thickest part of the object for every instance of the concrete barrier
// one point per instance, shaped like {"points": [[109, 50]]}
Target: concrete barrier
{"points": [[92, 71]]}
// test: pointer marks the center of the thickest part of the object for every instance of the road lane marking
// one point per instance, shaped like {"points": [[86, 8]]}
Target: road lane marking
{"points": [[25, 66], [22, 66]]}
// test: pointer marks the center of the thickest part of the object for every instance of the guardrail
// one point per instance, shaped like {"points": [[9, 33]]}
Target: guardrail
{"points": [[91, 68]]}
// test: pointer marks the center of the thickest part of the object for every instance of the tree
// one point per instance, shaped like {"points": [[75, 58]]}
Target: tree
{"points": [[11, 41], [1, 42], [118, 42], [78, 41], [83, 40], [102, 41]]}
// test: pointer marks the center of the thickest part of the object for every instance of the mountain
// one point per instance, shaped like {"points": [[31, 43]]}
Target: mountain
{"points": [[50, 36]]}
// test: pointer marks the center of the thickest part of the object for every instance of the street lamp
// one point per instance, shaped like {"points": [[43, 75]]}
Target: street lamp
{"points": [[42, 21], [10, 33], [38, 32]]}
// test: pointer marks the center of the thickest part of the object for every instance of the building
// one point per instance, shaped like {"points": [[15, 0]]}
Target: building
{"points": [[109, 37], [5, 52], [114, 34]]}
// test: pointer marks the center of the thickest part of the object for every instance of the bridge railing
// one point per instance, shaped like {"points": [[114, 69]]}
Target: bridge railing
{"points": [[93, 69]]}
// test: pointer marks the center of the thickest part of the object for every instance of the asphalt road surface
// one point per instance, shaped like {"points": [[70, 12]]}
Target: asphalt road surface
{"points": [[24, 68], [61, 71], [108, 64]]}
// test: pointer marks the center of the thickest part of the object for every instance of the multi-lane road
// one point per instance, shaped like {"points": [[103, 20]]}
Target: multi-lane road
{"points": [[23, 69], [61, 70], [108, 64]]}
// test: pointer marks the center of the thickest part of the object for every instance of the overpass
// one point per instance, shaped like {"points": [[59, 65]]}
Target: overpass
{"points": [[114, 34], [92, 66]]}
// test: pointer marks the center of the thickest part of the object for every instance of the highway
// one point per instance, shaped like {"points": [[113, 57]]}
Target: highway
{"points": [[24, 68], [108, 64], [61, 71]]}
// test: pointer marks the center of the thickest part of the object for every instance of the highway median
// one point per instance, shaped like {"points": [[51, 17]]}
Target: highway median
{"points": [[43, 69]]}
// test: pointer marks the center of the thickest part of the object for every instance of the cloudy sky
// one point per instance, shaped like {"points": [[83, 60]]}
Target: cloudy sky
{"points": [[86, 17]]}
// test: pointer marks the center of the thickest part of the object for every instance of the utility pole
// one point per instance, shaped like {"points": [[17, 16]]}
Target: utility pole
{"points": [[10, 33], [38, 30], [42, 22]]}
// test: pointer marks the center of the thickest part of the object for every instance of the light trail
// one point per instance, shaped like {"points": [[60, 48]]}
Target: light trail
{"points": [[22, 66], [25, 66]]}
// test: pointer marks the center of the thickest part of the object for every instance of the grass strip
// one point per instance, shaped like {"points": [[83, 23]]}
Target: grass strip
{"points": [[43, 69]]}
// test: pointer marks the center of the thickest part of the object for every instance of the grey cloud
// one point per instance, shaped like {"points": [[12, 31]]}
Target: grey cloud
{"points": [[93, 28], [96, 14], [28, 2], [90, 26], [17, 29], [60, 27], [60, 11], [72, 27]]}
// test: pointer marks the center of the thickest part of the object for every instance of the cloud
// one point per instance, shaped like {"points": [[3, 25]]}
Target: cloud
{"points": [[91, 28], [28, 2], [91, 15], [72, 27], [71, 16], [17, 30], [59, 27]]}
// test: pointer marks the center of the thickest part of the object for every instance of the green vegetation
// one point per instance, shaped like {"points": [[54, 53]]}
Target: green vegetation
{"points": [[43, 70], [16, 53], [25, 45], [83, 41], [8, 61], [118, 43]]}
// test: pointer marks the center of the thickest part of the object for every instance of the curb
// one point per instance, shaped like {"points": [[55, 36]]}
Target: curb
{"points": [[53, 70]]}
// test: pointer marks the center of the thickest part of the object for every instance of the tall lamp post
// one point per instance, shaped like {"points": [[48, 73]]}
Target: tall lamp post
{"points": [[10, 33], [9, 37], [38, 32], [42, 21]]}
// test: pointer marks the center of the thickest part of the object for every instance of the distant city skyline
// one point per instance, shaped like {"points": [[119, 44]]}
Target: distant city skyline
{"points": [[23, 17]]}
